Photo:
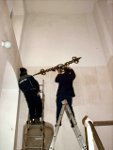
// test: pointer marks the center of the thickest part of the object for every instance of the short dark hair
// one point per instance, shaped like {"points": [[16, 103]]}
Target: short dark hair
{"points": [[22, 69]]}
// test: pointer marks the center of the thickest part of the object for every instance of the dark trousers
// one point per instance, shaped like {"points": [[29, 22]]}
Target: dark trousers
{"points": [[34, 104], [59, 105]]}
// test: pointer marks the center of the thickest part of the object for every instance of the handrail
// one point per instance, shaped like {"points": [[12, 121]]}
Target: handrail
{"points": [[88, 122], [103, 123], [96, 137]]}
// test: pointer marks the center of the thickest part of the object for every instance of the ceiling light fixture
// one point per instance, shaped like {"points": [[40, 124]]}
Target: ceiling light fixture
{"points": [[6, 44]]}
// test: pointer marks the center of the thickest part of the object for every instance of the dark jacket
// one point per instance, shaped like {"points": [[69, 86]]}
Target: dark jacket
{"points": [[28, 83], [65, 80]]}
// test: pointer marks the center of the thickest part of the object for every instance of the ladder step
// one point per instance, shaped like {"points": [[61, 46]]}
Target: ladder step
{"points": [[31, 142], [34, 136], [36, 125], [32, 147]]}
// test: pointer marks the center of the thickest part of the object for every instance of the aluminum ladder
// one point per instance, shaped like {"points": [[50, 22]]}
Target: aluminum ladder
{"points": [[66, 108]]}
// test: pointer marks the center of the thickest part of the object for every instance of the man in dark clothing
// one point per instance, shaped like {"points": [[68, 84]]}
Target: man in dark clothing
{"points": [[65, 89], [30, 87]]}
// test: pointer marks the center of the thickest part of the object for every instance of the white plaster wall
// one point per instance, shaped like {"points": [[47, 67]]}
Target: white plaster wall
{"points": [[60, 37], [18, 22], [106, 7], [8, 114], [103, 15], [6, 33], [59, 6], [8, 108], [8, 81], [10, 5], [18, 16]]}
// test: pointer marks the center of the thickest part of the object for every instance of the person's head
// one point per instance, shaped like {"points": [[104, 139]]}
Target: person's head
{"points": [[59, 68], [67, 70], [23, 71]]}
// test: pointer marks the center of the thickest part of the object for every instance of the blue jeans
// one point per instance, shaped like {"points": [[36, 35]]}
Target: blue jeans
{"points": [[59, 105]]}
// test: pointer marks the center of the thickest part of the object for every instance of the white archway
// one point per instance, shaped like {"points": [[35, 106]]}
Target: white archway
{"points": [[8, 108]]}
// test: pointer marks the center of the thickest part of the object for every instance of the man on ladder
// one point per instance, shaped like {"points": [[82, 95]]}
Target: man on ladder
{"points": [[65, 93], [31, 90], [65, 90]]}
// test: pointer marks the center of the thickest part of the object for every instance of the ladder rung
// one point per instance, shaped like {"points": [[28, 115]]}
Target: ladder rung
{"points": [[35, 125], [32, 147], [34, 136]]}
